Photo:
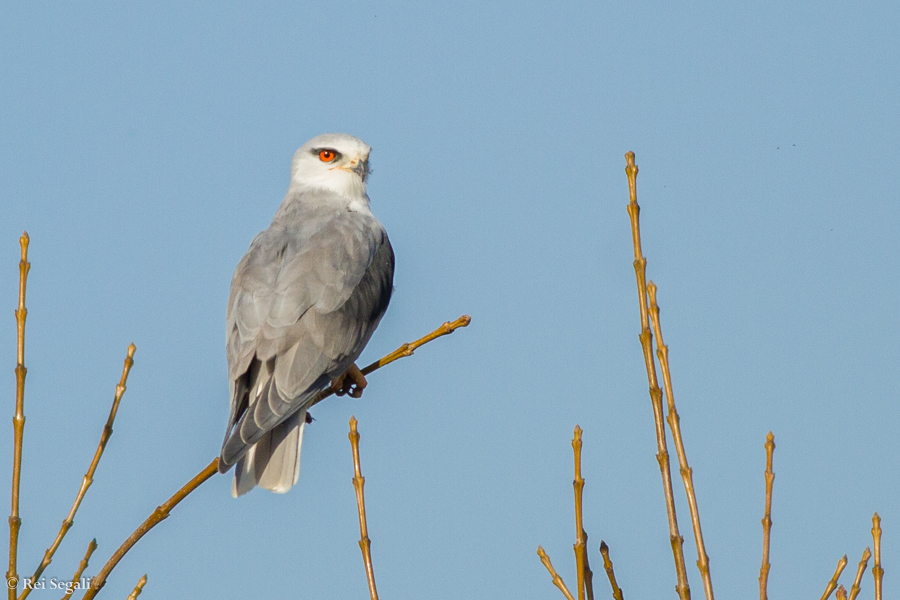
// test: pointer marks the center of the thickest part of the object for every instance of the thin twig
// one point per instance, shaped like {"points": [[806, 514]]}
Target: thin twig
{"points": [[365, 544], [557, 580], [583, 567], [646, 337], [403, 351], [854, 591], [88, 478], [877, 571], [687, 474], [81, 567], [767, 519], [161, 513], [12, 577], [608, 566], [837, 573], [138, 588]]}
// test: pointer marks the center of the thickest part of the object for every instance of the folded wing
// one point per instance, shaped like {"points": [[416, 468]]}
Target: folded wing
{"points": [[304, 302]]}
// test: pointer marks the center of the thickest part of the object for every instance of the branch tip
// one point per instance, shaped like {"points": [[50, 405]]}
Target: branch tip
{"points": [[854, 589], [834, 579], [877, 570], [610, 573], [767, 518], [138, 588], [582, 565], [403, 351], [557, 580]]}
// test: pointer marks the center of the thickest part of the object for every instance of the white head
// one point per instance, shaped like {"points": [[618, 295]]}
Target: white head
{"points": [[333, 161]]}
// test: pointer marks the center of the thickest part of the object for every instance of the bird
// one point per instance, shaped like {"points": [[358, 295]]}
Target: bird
{"points": [[304, 301]]}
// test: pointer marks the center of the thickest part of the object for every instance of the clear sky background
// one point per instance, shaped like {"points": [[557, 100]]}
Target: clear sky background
{"points": [[143, 146]]}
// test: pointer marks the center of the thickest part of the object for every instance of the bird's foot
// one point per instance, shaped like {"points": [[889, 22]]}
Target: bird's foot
{"points": [[352, 382]]}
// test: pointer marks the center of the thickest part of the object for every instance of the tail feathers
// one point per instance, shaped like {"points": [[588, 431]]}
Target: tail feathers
{"points": [[274, 461], [259, 420]]}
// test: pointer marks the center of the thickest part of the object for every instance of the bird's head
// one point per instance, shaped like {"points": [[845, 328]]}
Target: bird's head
{"points": [[334, 161]]}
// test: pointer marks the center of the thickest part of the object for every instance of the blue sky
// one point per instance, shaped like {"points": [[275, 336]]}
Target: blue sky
{"points": [[143, 146]]}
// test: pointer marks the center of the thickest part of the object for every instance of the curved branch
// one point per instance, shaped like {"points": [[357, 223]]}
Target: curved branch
{"points": [[162, 511], [160, 514]]}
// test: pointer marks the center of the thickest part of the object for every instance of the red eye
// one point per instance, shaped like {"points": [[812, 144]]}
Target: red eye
{"points": [[326, 155]]}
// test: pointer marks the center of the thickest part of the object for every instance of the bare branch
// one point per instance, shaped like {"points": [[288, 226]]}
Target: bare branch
{"points": [[583, 567], [854, 591], [837, 573], [162, 511], [687, 474], [81, 567], [403, 351], [557, 580], [12, 577], [365, 544], [138, 588], [877, 571], [608, 566], [88, 478], [646, 337], [767, 519], [160, 514]]}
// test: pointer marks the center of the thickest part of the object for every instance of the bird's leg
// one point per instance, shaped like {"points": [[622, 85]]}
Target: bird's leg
{"points": [[351, 382]]}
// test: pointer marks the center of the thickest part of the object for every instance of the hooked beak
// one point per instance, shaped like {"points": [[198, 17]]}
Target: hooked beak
{"points": [[360, 166]]}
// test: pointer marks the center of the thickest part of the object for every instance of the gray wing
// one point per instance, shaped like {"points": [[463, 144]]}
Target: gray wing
{"points": [[304, 302]]}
